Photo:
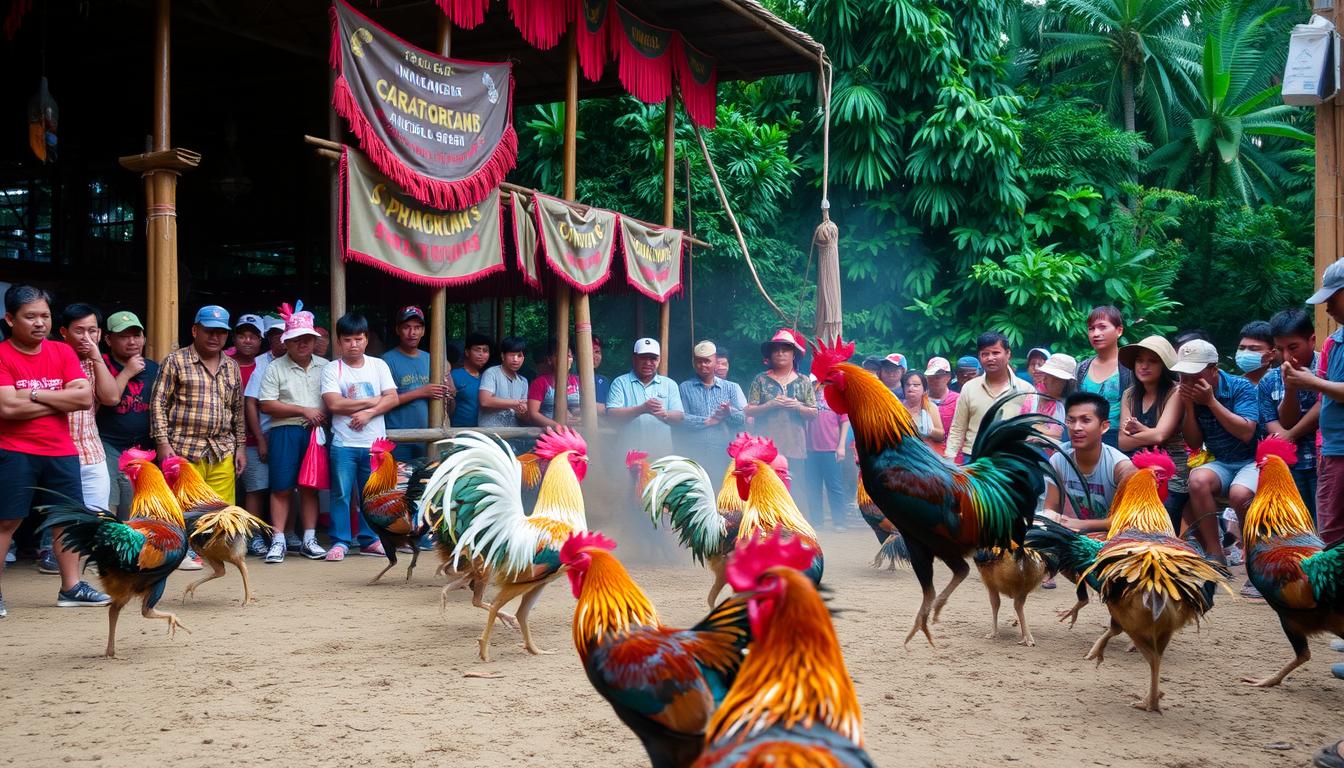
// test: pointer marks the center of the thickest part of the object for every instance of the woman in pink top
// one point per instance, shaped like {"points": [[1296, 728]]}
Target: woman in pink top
{"points": [[827, 436], [939, 375]]}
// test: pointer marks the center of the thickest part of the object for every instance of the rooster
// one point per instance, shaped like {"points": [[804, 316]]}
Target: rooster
{"points": [[478, 487], [941, 510], [1013, 572], [793, 702], [664, 683], [134, 558], [891, 547], [1300, 578], [389, 504], [1153, 583], [711, 524], [217, 530]]}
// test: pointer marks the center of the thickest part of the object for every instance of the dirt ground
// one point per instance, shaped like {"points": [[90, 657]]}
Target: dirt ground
{"points": [[327, 671]]}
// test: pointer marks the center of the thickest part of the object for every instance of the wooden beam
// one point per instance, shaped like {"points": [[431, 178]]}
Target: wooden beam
{"points": [[1329, 243], [583, 313], [440, 433], [438, 303], [669, 176]]}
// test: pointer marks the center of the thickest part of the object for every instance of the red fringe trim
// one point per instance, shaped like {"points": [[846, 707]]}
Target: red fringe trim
{"points": [[595, 48], [543, 22], [649, 80], [700, 99], [560, 273], [467, 14], [674, 290], [14, 19]]}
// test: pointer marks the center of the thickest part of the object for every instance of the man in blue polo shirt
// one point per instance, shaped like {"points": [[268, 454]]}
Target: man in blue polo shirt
{"points": [[645, 404], [1329, 382], [1221, 413]]}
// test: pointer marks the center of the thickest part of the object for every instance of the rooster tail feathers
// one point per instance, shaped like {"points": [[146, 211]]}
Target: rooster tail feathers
{"points": [[720, 641], [1066, 548], [214, 527], [79, 522], [1007, 471], [894, 549], [681, 488], [1325, 573]]}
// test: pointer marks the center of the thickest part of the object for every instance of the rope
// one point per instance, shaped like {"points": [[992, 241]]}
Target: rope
{"points": [[825, 78], [690, 251]]}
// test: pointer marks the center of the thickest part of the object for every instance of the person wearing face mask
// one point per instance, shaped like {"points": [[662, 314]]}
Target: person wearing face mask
{"points": [[1255, 351]]}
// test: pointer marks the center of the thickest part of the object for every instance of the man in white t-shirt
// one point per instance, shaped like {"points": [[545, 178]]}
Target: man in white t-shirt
{"points": [[1086, 417], [357, 391]]}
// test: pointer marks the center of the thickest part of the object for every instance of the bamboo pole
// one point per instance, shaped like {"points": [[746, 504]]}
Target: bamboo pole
{"points": [[583, 315], [1329, 189], [161, 227], [669, 175], [438, 303], [335, 260]]}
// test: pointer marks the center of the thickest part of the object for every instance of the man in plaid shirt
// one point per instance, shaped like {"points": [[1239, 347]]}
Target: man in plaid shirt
{"points": [[197, 408]]}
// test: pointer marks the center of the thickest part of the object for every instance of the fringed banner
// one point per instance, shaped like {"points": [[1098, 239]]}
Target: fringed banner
{"points": [[594, 30], [578, 247], [389, 230], [440, 128], [645, 52], [542, 22], [698, 76], [467, 14], [525, 237], [652, 259]]}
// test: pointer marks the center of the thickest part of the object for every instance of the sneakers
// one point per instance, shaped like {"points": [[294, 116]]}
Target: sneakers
{"points": [[336, 554], [1337, 645], [258, 547], [312, 550], [46, 562], [191, 562], [292, 542], [374, 549], [81, 596], [276, 553], [3, 612], [10, 556], [1234, 555], [1048, 582], [1249, 591]]}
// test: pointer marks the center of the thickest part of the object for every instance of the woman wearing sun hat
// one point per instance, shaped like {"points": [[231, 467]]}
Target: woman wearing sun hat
{"points": [[781, 400], [1057, 375], [1150, 413]]}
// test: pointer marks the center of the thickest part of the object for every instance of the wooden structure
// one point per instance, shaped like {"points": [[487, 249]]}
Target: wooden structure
{"points": [[1329, 179]]}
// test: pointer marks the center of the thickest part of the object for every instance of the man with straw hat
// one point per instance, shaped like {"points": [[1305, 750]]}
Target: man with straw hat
{"points": [[1151, 413]]}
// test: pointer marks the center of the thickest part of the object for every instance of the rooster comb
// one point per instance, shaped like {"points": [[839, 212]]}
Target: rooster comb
{"points": [[383, 445], [634, 457], [825, 356], [739, 442], [1152, 457], [757, 449], [1276, 446], [569, 551], [751, 559], [554, 442], [133, 454]]}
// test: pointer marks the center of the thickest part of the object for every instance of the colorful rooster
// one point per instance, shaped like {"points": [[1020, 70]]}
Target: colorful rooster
{"points": [[942, 510], [793, 702], [217, 530], [664, 683], [389, 504], [1300, 578], [891, 547], [1013, 572], [478, 487], [134, 558]]}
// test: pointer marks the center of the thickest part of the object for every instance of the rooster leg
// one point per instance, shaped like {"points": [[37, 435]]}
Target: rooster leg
{"points": [[1303, 655], [113, 611], [1153, 701], [173, 624], [993, 613], [1072, 613], [525, 607], [375, 579], [502, 597], [921, 561], [216, 571], [240, 563], [415, 555], [1018, 603], [478, 599], [1098, 651], [716, 564], [959, 571]]}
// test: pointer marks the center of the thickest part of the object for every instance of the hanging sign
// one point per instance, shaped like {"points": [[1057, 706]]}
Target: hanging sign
{"points": [[594, 37], [698, 76], [578, 247], [389, 230], [440, 128], [652, 258], [525, 238], [645, 53]]}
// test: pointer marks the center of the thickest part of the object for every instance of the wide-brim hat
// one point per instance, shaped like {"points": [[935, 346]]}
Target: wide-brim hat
{"points": [[1060, 366], [787, 337], [294, 333], [1155, 344]]}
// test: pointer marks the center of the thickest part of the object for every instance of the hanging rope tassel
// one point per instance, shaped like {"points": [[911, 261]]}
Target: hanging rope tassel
{"points": [[826, 239]]}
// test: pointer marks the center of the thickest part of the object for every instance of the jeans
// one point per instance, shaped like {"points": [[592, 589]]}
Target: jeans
{"points": [[349, 471], [1330, 498], [1305, 480], [824, 472]]}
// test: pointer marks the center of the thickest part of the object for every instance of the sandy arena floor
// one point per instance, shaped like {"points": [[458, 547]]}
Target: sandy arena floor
{"points": [[327, 671]]}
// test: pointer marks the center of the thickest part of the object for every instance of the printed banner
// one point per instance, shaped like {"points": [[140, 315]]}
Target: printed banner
{"points": [[594, 33], [525, 238], [387, 229], [645, 66], [698, 76], [652, 258], [578, 247], [440, 128]]}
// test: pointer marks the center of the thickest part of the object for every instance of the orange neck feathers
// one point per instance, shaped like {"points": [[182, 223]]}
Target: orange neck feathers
{"points": [[769, 506], [610, 603], [1138, 506], [876, 416], [728, 499], [1277, 509], [384, 478], [862, 498], [152, 498], [794, 674], [191, 490]]}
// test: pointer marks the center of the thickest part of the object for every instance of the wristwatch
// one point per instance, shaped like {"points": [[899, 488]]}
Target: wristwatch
{"points": [[32, 394]]}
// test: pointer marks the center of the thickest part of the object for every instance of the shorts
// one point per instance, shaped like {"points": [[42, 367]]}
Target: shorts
{"points": [[1230, 473], [25, 473], [287, 446], [255, 475], [94, 481], [119, 485]]}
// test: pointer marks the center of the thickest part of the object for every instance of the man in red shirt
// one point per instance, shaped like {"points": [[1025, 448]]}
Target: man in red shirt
{"points": [[40, 382]]}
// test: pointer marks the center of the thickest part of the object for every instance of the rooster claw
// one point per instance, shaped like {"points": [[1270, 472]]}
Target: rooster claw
{"points": [[510, 620], [535, 651], [1261, 682]]}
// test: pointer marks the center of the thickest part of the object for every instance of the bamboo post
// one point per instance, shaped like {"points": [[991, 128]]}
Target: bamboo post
{"points": [[669, 174], [1329, 187], [162, 204], [583, 316], [336, 260], [438, 303]]}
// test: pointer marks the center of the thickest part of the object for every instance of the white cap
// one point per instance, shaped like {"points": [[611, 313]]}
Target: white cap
{"points": [[704, 349], [1060, 366], [647, 346], [1194, 356]]}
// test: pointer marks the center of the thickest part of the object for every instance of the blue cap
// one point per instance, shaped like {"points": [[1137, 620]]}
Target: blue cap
{"points": [[213, 316], [968, 362]]}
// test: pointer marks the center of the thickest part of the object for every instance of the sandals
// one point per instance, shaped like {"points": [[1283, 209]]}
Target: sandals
{"points": [[1328, 756], [336, 554]]}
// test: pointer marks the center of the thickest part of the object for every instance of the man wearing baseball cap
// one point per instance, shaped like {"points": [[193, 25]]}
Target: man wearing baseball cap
{"points": [[714, 411], [1221, 413], [126, 424], [248, 340], [968, 368], [644, 403], [939, 374], [197, 407], [891, 370]]}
